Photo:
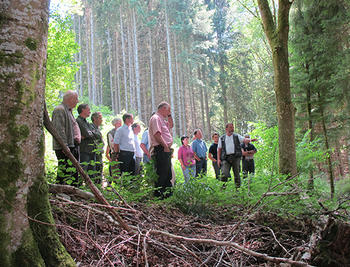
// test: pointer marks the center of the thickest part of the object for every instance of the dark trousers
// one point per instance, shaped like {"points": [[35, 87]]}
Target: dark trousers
{"points": [[234, 163], [65, 169], [201, 167], [162, 164], [248, 166], [98, 168], [86, 164], [216, 169], [127, 162], [113, 166]]}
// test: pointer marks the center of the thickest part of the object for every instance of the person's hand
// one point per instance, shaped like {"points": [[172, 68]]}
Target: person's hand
{"points": [[219, 162], [166, 149], [148, 155], [183, 167]]}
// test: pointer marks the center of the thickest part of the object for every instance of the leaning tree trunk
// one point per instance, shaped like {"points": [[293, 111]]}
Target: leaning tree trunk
{"points": [[27, 232], [277, 36]]}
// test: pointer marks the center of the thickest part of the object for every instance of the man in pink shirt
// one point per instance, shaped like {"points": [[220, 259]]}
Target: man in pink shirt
{"points": [[161, 139]]}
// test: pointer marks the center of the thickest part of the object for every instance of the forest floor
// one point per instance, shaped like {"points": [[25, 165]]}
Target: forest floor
{"points": [[164, 236]]}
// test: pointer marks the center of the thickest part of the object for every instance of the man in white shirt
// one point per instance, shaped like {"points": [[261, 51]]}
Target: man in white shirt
{"points": [[230, 153], [138, 151], [124, 145]]}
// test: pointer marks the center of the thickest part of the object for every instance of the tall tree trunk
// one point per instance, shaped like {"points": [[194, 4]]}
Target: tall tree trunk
{"points": [[277, 36], [200, 88], [137, 73], [117, 79], [206, 101], [131, 76], [110, 63], [124, 59], [183, 101], [178, 89], [93, 69], [81, 92], [76, 55], [100, 89], [151, 71], [223, 86], [27, 231], [310, 127], [171, 87], [191, 97], [326, 142], [88, 54]]}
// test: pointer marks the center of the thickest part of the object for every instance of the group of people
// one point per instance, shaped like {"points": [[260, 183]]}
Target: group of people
{"points": [[84, 140], [226, 153], [126, 152]]}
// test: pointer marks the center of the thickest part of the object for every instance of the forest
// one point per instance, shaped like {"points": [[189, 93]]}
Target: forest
{"points": [[277, 70]]}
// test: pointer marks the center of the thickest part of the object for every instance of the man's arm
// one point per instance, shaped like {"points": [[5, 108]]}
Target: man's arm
{"points": [[145, 150], [170, 121], [219, 156], [84, 129], [59, 122], [116, 148], [161, 141]]}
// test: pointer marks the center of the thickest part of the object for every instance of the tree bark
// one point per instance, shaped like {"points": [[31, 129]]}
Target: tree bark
{"points": [[23, 188], [277, 36]]}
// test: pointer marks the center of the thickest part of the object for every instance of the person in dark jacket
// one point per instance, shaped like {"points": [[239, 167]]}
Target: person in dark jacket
{"points": [[248, 151], [68, 129]]}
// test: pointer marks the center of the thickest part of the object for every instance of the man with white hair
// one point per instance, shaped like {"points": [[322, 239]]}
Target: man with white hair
{"points": [[68, 129]]}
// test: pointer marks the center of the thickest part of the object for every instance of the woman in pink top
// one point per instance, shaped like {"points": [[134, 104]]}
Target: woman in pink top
{"points": [[187, 160]]}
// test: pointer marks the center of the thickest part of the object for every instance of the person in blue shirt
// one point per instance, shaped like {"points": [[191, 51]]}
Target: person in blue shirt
{"points": [[145, 147], [200, 153]]}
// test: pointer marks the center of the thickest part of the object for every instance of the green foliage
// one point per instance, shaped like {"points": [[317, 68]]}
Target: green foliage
{"points": [[61, 66], [138, 188]]}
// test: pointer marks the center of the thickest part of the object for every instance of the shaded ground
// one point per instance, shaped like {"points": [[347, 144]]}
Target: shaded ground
{"points": [[93, 238]]}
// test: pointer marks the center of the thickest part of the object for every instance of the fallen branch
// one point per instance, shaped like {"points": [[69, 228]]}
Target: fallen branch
{"points": [[100, 198], [60, 188], [231, 244]]}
